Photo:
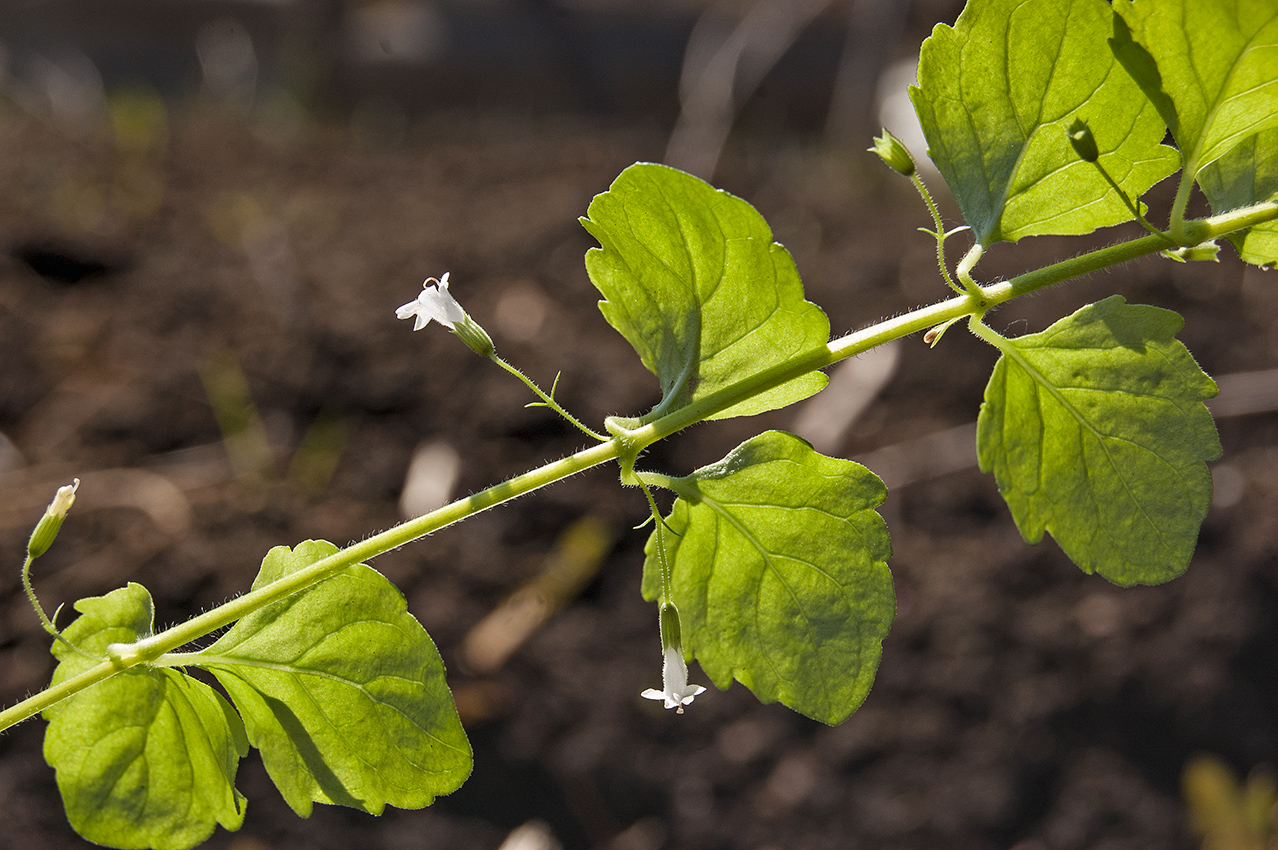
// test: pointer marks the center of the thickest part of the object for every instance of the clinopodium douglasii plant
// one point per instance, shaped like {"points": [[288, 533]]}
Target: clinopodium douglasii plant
{"points": [[772, 566]]}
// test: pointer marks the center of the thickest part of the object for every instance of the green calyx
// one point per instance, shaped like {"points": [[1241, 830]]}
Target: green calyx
{"points": [[475, 337], [671, 631], [890, 149]]}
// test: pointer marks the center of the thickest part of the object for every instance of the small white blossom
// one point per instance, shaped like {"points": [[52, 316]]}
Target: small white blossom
{"points": [[674, 678], [433, 302]]}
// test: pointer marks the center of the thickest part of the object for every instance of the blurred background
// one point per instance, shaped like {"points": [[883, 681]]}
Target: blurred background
{"points": [[209, 211]]}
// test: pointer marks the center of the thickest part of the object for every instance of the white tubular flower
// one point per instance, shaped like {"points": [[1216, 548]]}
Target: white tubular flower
{"points": [[64, 499], [433, 302], [674, 678]]}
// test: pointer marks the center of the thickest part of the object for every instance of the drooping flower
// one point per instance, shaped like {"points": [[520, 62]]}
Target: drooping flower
{"points": [[433, 302], [676, 691]]}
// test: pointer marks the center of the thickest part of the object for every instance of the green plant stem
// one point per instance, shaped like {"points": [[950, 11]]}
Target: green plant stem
{"points": [[628, 442], [547, 400], [39, 609], [965, 266], [940, 233], [1133, 208], [35, 603], [988, 334], [1176, 222], [661, 542], [151, 648]]}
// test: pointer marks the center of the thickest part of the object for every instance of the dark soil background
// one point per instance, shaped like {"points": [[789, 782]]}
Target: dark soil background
{"points": [[169, 236]]}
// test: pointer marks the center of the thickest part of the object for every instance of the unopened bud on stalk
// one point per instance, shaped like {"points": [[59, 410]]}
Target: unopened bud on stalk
{"points": [[1082, 140], [46, 530], [895, 154]]}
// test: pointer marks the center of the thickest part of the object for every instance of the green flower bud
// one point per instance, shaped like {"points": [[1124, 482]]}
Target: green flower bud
{"points": [[1082, 140], [46, 530], [891, 151]]}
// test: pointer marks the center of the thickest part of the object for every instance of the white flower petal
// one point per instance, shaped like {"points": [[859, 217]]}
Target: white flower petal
{"points": [[674, 675], [433, 303]]}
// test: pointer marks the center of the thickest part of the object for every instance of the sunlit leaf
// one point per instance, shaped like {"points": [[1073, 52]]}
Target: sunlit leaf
{"points": [[1096, 431], [692, 279], [1210, 66], [343, 691], [146, 758], [779, 571], [1246, 175], [997, 92]]}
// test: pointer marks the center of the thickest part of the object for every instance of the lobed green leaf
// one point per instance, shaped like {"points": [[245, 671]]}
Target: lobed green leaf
{"points": [[779, 570], [693, 280], [146, 758], [1210, 66], [1247, 175], [343, 691], [996, 94], [1096, 431]]}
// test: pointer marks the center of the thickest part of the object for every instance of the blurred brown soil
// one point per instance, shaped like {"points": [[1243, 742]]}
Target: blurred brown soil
{"points": [[1019, 702]]}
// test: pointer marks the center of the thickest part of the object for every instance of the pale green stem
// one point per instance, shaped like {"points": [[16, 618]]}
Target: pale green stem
{"points": [[661, 542], [1176, 222], [151, 648], [629, 442], [965, 266], [547, 400], [39, 609], [35, 603], [940, 230], [985, 332], [1132, 207]]}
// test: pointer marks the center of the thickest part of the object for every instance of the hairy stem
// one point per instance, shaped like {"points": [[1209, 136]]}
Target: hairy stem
{"points": [[940, 233], [628, 442], [546, 400]]}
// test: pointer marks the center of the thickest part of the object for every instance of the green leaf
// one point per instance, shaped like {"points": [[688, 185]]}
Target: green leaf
{"points": [[1096, 431], [692, 279], [1211, 67], [779, 571], [146, 758], [343, 691], [996, 95], [1247, 175]]}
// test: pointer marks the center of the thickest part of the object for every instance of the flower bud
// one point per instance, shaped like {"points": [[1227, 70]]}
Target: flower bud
{"points": [[46, 530], [1082, 140], [891, 151]]}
